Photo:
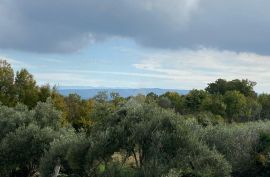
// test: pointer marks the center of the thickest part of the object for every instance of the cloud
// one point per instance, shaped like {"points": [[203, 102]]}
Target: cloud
{"points": [[69, 25], [181, 69], [195, 68], [80, 78]]}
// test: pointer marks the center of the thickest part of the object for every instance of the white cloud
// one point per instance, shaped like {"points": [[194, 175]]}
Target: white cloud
{"points": [[80, 78], [182, 69], [196, 68]]}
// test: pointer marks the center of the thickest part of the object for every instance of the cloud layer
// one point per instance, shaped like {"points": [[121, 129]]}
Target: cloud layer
{"points": [[182, 69], [69, 25], [196, 68]]}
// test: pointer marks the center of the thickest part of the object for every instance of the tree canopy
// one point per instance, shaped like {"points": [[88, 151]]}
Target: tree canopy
{"points": [[221, 131]]}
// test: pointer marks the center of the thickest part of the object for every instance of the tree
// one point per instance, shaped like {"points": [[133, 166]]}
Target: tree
{"points": [[44, 93], [101, 96], [243, 86], [240, 144], [58, 101], [13, 118], [151, 97], [26, 88], [218, 87], [46, 115], [55, 157], [77, 111], [262, 156], [73, 103], [177, 101], [22, 89], [253, 109], [194, 100], [117, 99], [215, 104], [164, 102], [25, 135], [221, 86], [7, 96], [86, 108], [264, 100], [156, 139], [21, 150], [208, 118], [236, 105]]}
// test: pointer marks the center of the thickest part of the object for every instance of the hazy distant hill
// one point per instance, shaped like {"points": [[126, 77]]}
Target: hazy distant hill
{"points": [[124, 92]]}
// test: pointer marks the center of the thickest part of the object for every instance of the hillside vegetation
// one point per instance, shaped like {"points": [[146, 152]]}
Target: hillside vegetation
{"points": [[221, 131]]}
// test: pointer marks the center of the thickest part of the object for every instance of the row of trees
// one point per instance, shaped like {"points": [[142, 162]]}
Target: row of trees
{"points": [[138, 139], [20, 87], [230, 101], [222, 100]]}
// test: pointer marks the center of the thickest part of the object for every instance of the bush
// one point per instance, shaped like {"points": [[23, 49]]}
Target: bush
{"points": [[237, 142], [21, 150]]}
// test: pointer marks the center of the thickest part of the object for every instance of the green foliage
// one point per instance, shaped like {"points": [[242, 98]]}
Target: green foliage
{"points": [[20, 89], [57, 153], [75, 110], [13, 118], [117, 100], [238, 143], [262, 157], [264, 100], [253, 109], [46, 115], [21, 150], [6, 83], [164, 102], [214, 104], [44, 93], [194, 100], [118, 170], [73, 102], [221, 86], [24, 137], [26, 89], [235, 105], [151, 97], [193, 135], [157, 140], [102, 97], [218, 87], [208, 118], [176, 101]]}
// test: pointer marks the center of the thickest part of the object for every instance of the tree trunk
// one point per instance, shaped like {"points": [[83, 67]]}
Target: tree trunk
{"points": [[56, 170]]}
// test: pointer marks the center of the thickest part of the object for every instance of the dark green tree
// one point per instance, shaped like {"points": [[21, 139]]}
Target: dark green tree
{"points": [[236, 106], [214, 104], [264, 100], [194, 100], [44, 93], [21, 150], [7, 95], [26, 88], [221, 86]]}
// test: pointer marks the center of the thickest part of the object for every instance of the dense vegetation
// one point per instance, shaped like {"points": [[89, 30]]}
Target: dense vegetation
{"points": [[221, 131]]}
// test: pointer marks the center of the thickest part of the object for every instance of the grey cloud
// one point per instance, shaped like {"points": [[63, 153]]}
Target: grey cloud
{"points": [[69, 25]]}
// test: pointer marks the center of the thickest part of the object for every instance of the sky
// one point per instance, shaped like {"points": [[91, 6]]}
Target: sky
{"points": [[176, 44]]}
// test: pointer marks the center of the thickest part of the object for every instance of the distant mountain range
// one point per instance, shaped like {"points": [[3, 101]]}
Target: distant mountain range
{"points": [[89, 92]]}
